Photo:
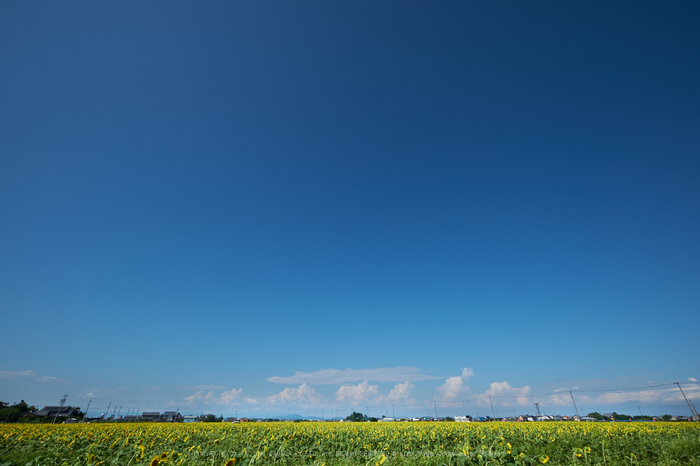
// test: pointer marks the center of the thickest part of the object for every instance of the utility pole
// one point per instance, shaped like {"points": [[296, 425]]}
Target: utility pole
{"points": [[393, 413], [63, 400], [8, 414], [107, 412], [537, 405], [572, 399], [492, 411], [87, 409], [692, 407], [436, 416]]}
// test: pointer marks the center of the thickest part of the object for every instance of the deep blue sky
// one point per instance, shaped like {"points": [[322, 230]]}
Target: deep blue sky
{"points": [[198, 198]]}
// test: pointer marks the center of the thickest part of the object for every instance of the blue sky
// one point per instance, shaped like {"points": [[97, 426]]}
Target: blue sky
{"points": [[261, 208]]}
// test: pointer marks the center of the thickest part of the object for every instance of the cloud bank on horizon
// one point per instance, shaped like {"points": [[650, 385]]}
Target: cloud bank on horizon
{"points": [[453, 394]]}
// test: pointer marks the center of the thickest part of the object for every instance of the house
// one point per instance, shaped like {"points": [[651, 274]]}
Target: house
{"points": [[463, 419], [150, 416], [189, 418], [171, 416], [64, 411]]}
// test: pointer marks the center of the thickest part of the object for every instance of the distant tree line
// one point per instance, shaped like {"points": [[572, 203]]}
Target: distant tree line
{"points": [[22, 412], [625, 417]]}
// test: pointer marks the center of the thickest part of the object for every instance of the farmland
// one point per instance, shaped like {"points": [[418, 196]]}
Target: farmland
{"points": [[494, 443]]}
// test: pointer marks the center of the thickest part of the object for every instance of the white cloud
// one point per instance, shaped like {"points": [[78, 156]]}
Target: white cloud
{"points": [[17, 375], [198, 396], [663, 396], [204, 387], [338, 376], [211, 398], [303, 394], [88, 394], [692, 379], [455, 386], [30, 375], [506, 395], [357, 393], [231, 395], [400, 393]]}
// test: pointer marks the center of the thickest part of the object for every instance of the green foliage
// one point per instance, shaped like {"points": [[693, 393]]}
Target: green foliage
{"points": [[336, 444], [356, 417], [16, 412], [621, 417]]}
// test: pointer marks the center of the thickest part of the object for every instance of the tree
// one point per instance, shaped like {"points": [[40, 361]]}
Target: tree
{"points": [[13, 413], [620, 417], [356, 417], [596, 415]]}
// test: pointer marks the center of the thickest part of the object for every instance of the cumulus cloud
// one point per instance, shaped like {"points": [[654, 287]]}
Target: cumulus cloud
{"points": [[338, 376], [400, 393], [692, 379], [230, 396], [455, 386], [303, 394], [198, 396], [210, 397], [88, 394], [361, 392], [506, 395]]}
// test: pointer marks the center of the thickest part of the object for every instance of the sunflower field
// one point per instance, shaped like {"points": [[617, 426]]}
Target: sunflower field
{"points": [[374, 444]]}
